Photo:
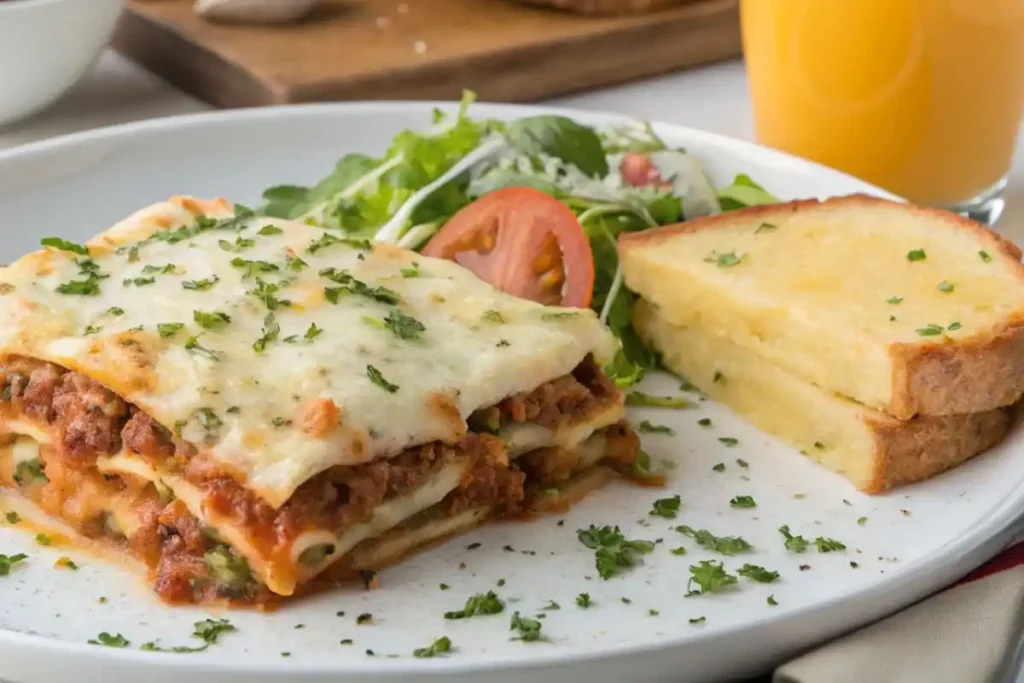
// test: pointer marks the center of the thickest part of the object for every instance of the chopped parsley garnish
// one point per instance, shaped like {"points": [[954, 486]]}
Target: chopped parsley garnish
{"points": [[12, 517], [270, 230], [271, 330], [167, 269], [138, 281], [253, 268], [819, 445], [932, 330], [828, 545], [647, 427], [725, 545], [444, 586], [345, 641], [756, 573], [240, 244], [210, 629], [953, 326], [200, 285], [92, 329], [894, 300], [728, 441], [709, 576], [559, 315], [743, 502], [364, 618], [30, 472], [678, 551], [42, 539], [985, 256], [718, 377], [294, 263], [765, 226], [612, 551], [168, 329], [742, 463], [110, 640], [719, 467], [666, 507], [916, 255], [945, 287], [327, 239], [493, 316], [65, 245], [404, 326], [583, 600], [698, 620], [441, 646], [723, 260], [350, 285], [213, 320], [312, 332], [377, 378], [208, 419], [653, 612], [411, 271], [480, 604], [528, 629], [796, 544], [90, 286], [861, 521], [280, 421], [8, 561], [638, 398], [704, 422], [192, 344], [551, 606], [771, 601]]}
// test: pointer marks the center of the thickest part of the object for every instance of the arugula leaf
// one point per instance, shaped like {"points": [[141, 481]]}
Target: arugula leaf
{"points": [[612, 551], [742, 193], [560, 137]]}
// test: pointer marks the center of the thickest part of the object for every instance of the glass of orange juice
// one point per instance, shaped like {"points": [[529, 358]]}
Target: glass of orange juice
{"points": [[921, 97]]}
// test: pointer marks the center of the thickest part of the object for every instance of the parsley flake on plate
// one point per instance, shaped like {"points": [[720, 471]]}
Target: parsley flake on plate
{"points": [[742, 502], [638, 398], [725, 259], [480, 604], [647, 427], [583, 600], [828, 545], [756, 573], [528, 629], [8, 561], [710, 577], [109, 640], [377, 378], [795, 544], [64, 245], [441, 646], [725, 545], [613, 552], [666, 507]]}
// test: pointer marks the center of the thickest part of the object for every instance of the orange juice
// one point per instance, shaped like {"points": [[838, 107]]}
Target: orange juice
{"points": [[921, 97]]}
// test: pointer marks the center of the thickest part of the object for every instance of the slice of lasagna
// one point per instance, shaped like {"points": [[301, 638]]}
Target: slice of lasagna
{"points": [[245, 403]]}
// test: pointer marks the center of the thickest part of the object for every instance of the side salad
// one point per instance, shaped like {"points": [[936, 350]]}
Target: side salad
{"points": [[534, 206]]}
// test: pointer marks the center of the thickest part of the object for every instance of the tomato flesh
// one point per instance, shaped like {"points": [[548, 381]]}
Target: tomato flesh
{"points": [[523, 242]]}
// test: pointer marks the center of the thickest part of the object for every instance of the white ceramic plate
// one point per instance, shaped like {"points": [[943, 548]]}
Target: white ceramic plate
{"points": [[914, 541]]}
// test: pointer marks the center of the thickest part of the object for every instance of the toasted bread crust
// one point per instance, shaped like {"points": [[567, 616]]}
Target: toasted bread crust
{"points": [[903, 451], [607, 7], [973, 374], [918, 449]]}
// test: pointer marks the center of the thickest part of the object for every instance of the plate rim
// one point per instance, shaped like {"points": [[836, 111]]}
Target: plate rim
{"points": [[985, 539]]}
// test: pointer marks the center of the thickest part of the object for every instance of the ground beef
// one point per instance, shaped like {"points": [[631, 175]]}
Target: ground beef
{"points": [[89, 418], [142, 435], [490, 481], [551, 465], [566, 399], [37, 398]]}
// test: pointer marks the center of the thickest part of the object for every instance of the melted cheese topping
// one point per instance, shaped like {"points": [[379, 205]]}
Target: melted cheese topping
{"points": [[174, 318]]}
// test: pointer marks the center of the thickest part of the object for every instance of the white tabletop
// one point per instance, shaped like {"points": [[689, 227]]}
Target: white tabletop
{"points": [[712, 98]]}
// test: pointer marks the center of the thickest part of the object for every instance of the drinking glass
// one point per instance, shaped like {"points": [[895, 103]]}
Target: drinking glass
{"points": [[921, 97]]}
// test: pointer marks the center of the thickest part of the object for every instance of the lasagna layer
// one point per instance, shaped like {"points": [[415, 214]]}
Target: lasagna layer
{"points": [[85, 455]]}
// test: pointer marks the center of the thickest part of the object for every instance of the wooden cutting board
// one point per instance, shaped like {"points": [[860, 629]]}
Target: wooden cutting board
{"points": [[419, 49]]}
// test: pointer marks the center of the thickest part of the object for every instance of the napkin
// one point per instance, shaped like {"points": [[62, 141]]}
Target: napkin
{"points": [[968, 633]]}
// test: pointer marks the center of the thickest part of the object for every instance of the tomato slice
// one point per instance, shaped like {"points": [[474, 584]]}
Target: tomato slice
{"points": [[523, 242]]}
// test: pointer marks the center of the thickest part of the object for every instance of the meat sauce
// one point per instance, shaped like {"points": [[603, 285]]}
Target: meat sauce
{"points": [[189, 563]]}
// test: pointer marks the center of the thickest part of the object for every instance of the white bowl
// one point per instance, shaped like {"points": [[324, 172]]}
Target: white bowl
{"points": [[46, 46]]}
